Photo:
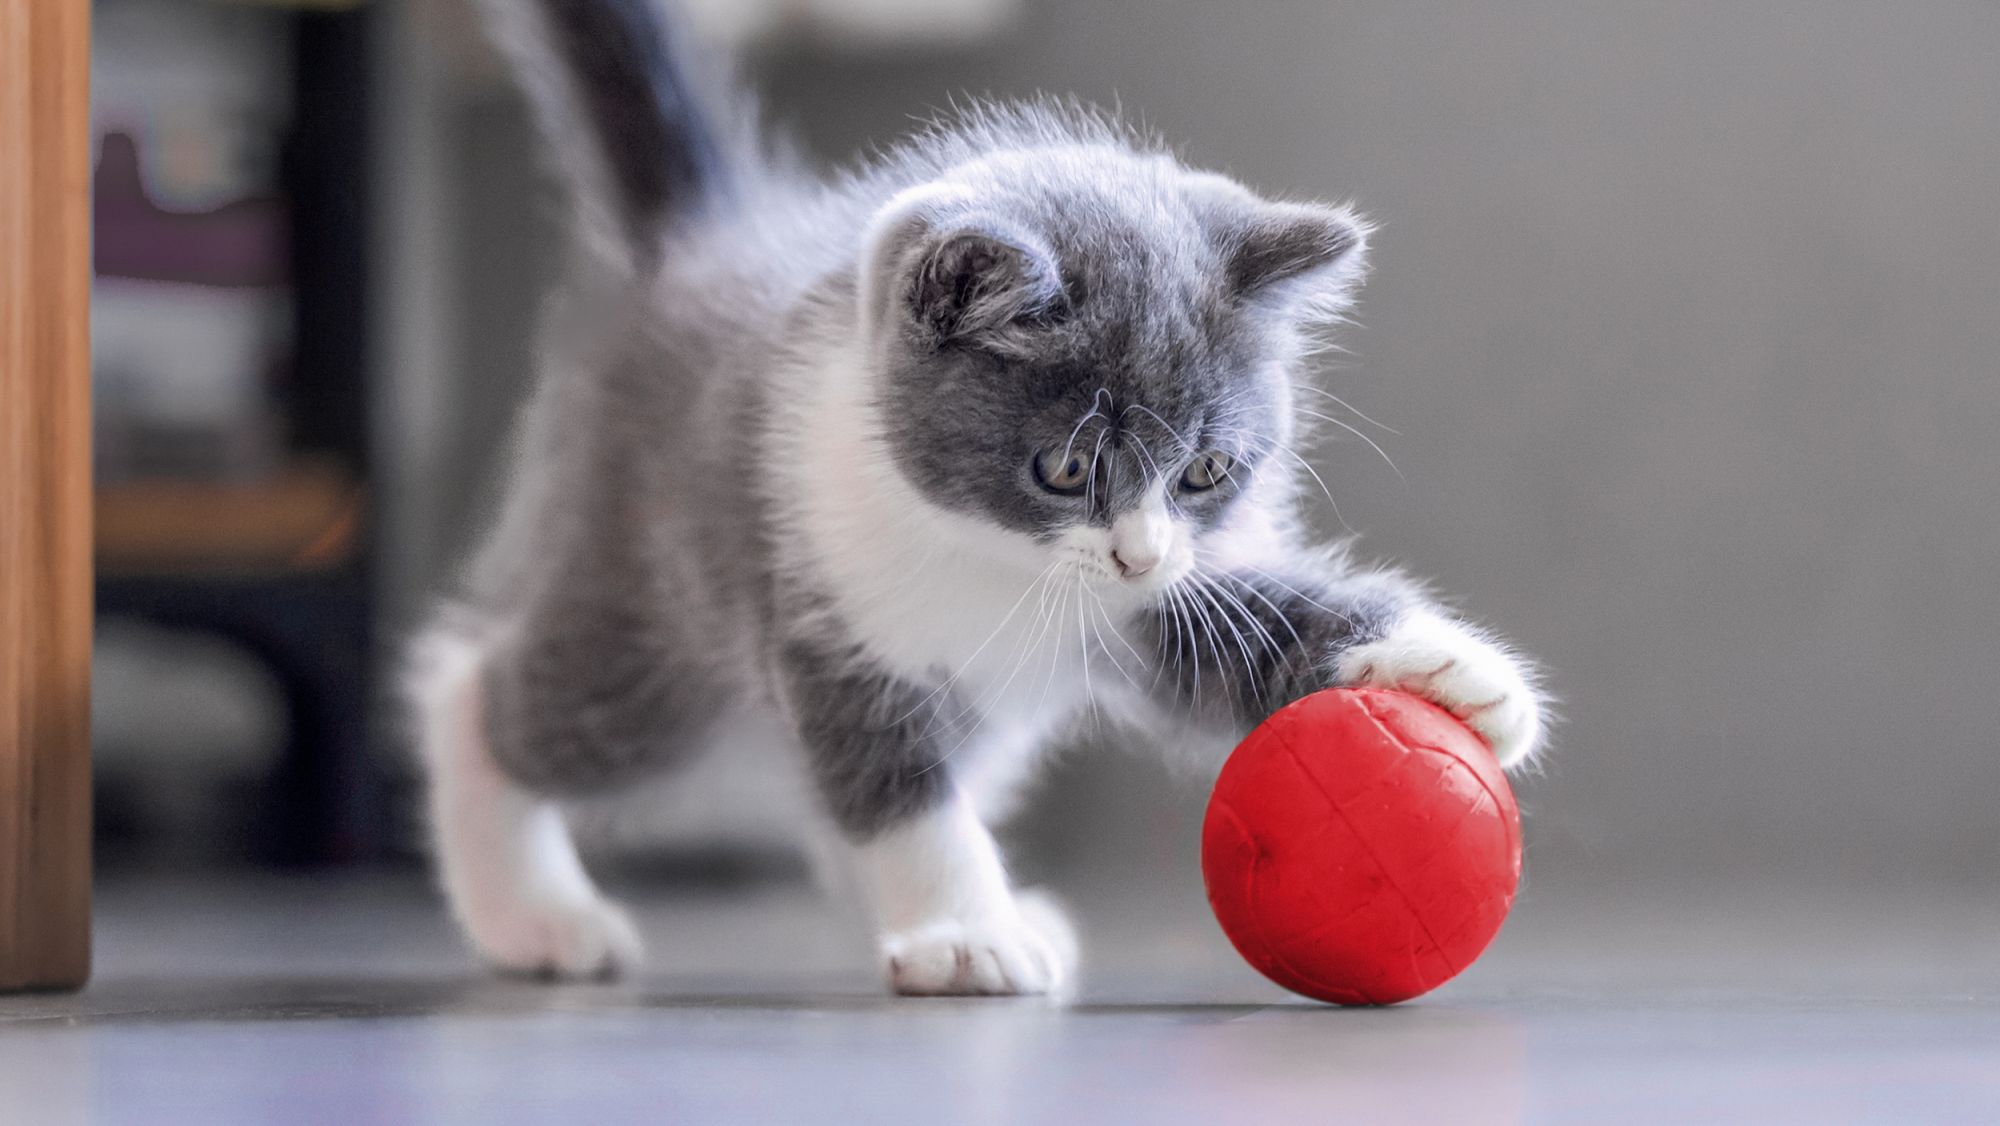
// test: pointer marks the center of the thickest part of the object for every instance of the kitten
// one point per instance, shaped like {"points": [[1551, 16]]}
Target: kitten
{"points": [[917, 465]]}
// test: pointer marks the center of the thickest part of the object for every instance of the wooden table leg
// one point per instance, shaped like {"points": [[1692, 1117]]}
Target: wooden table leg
{"points": [[45, 564]]}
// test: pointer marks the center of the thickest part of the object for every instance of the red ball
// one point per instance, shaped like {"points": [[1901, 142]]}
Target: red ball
{"points": [[1361, 847]]}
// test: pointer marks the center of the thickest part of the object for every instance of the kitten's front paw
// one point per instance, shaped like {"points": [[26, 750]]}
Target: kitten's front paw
{"points": [[1459, 671], [561, 939], [1029, 950]]}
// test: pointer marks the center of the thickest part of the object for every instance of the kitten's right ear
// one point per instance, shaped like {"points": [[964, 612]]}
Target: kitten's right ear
{"points": [[974, 281], [955, 277]]}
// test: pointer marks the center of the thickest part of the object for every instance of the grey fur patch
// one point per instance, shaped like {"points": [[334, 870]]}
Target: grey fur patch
{"points": [[877, 744], [590, 686]]}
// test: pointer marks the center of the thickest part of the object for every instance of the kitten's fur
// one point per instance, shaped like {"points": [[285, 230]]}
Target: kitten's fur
{"points": [[782, 468]]}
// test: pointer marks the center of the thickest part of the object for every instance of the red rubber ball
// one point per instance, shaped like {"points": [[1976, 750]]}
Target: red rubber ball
{"points": [[1361, 847]]}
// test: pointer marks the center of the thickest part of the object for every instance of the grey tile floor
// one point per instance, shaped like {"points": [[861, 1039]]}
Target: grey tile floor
{"points": [[347, 1001]]}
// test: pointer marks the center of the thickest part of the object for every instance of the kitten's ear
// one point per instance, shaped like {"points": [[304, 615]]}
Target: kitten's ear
{"points": [[1318, 253], [972, 282], [957, 278]]}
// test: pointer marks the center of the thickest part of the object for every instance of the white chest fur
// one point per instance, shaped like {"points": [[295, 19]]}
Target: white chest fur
{"points": [[929, 593]]}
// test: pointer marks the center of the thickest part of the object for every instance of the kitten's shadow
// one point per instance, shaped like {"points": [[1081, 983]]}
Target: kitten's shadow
{"points": [[358, 997]]}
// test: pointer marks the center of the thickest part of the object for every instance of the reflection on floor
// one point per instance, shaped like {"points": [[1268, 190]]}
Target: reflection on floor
{"points": [[348, 1000]]}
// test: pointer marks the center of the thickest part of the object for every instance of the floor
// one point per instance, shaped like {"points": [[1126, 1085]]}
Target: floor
{"points": [[258, 999]]}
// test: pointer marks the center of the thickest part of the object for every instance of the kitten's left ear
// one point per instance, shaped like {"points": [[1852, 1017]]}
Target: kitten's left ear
{"points": [[1315, 253]]}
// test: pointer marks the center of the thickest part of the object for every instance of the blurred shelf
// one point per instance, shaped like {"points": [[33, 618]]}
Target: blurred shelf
{"points": [[300, 5], [283, 5], [278, 565], [308, 517]]}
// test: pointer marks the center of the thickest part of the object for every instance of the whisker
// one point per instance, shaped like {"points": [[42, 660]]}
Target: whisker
{"points": [[1268, 577], [1358, 434], [1090, 481], [1197, 610], [1083, 652], [1307, 466], [1269, 643], [1347, 406], [1055, 651], [956, 673], [1104, 613], [1186, 447], [1146, 452], [1023, 648], [1163, 607], [1283, 618], [1070, 446], [1249, 662], [1023, 652], [1184, 634]]}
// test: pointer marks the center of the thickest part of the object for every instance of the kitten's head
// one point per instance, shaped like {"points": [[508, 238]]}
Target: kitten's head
{"points": [[1090, 351]]}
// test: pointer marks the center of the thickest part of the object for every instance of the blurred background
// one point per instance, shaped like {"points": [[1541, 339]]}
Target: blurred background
{"points": [[1682, 337]]}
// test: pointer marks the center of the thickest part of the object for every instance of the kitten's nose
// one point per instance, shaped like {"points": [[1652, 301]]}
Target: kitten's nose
{"points": [[1132, 564]]}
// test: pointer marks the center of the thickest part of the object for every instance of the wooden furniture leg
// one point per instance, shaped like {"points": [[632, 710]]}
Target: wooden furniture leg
{"points": [[45, 563]]}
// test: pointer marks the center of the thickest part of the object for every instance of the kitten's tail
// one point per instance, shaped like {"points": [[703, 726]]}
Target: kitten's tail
{"points": [[632, 137]]}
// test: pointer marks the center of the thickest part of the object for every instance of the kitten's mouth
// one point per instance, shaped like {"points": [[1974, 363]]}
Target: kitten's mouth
{"points": [[1150, 586]]}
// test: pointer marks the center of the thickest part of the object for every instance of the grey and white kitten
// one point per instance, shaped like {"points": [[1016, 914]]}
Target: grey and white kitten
{"points": [[913, 466]]}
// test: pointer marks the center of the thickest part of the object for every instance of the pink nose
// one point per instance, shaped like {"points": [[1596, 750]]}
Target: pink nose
{"points": [[1133, 566]]}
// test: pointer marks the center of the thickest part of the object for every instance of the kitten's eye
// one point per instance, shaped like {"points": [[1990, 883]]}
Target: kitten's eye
{"points": [[1206, 471], [1062, 472]]}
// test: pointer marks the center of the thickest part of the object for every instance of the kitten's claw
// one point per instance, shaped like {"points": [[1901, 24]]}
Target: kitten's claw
{"points": [[1461, 672], [1030, 950]]}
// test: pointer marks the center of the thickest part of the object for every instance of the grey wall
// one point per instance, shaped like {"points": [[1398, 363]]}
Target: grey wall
{"points": [[1686, 315]]}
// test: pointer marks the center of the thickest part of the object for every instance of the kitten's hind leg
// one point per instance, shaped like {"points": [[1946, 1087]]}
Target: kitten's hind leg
{"points": [[504, 854]]}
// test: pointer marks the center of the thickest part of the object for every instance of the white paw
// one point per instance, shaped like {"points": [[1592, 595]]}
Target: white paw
{"points": [[563, 939], [1028, 950], [1456, 669]]}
